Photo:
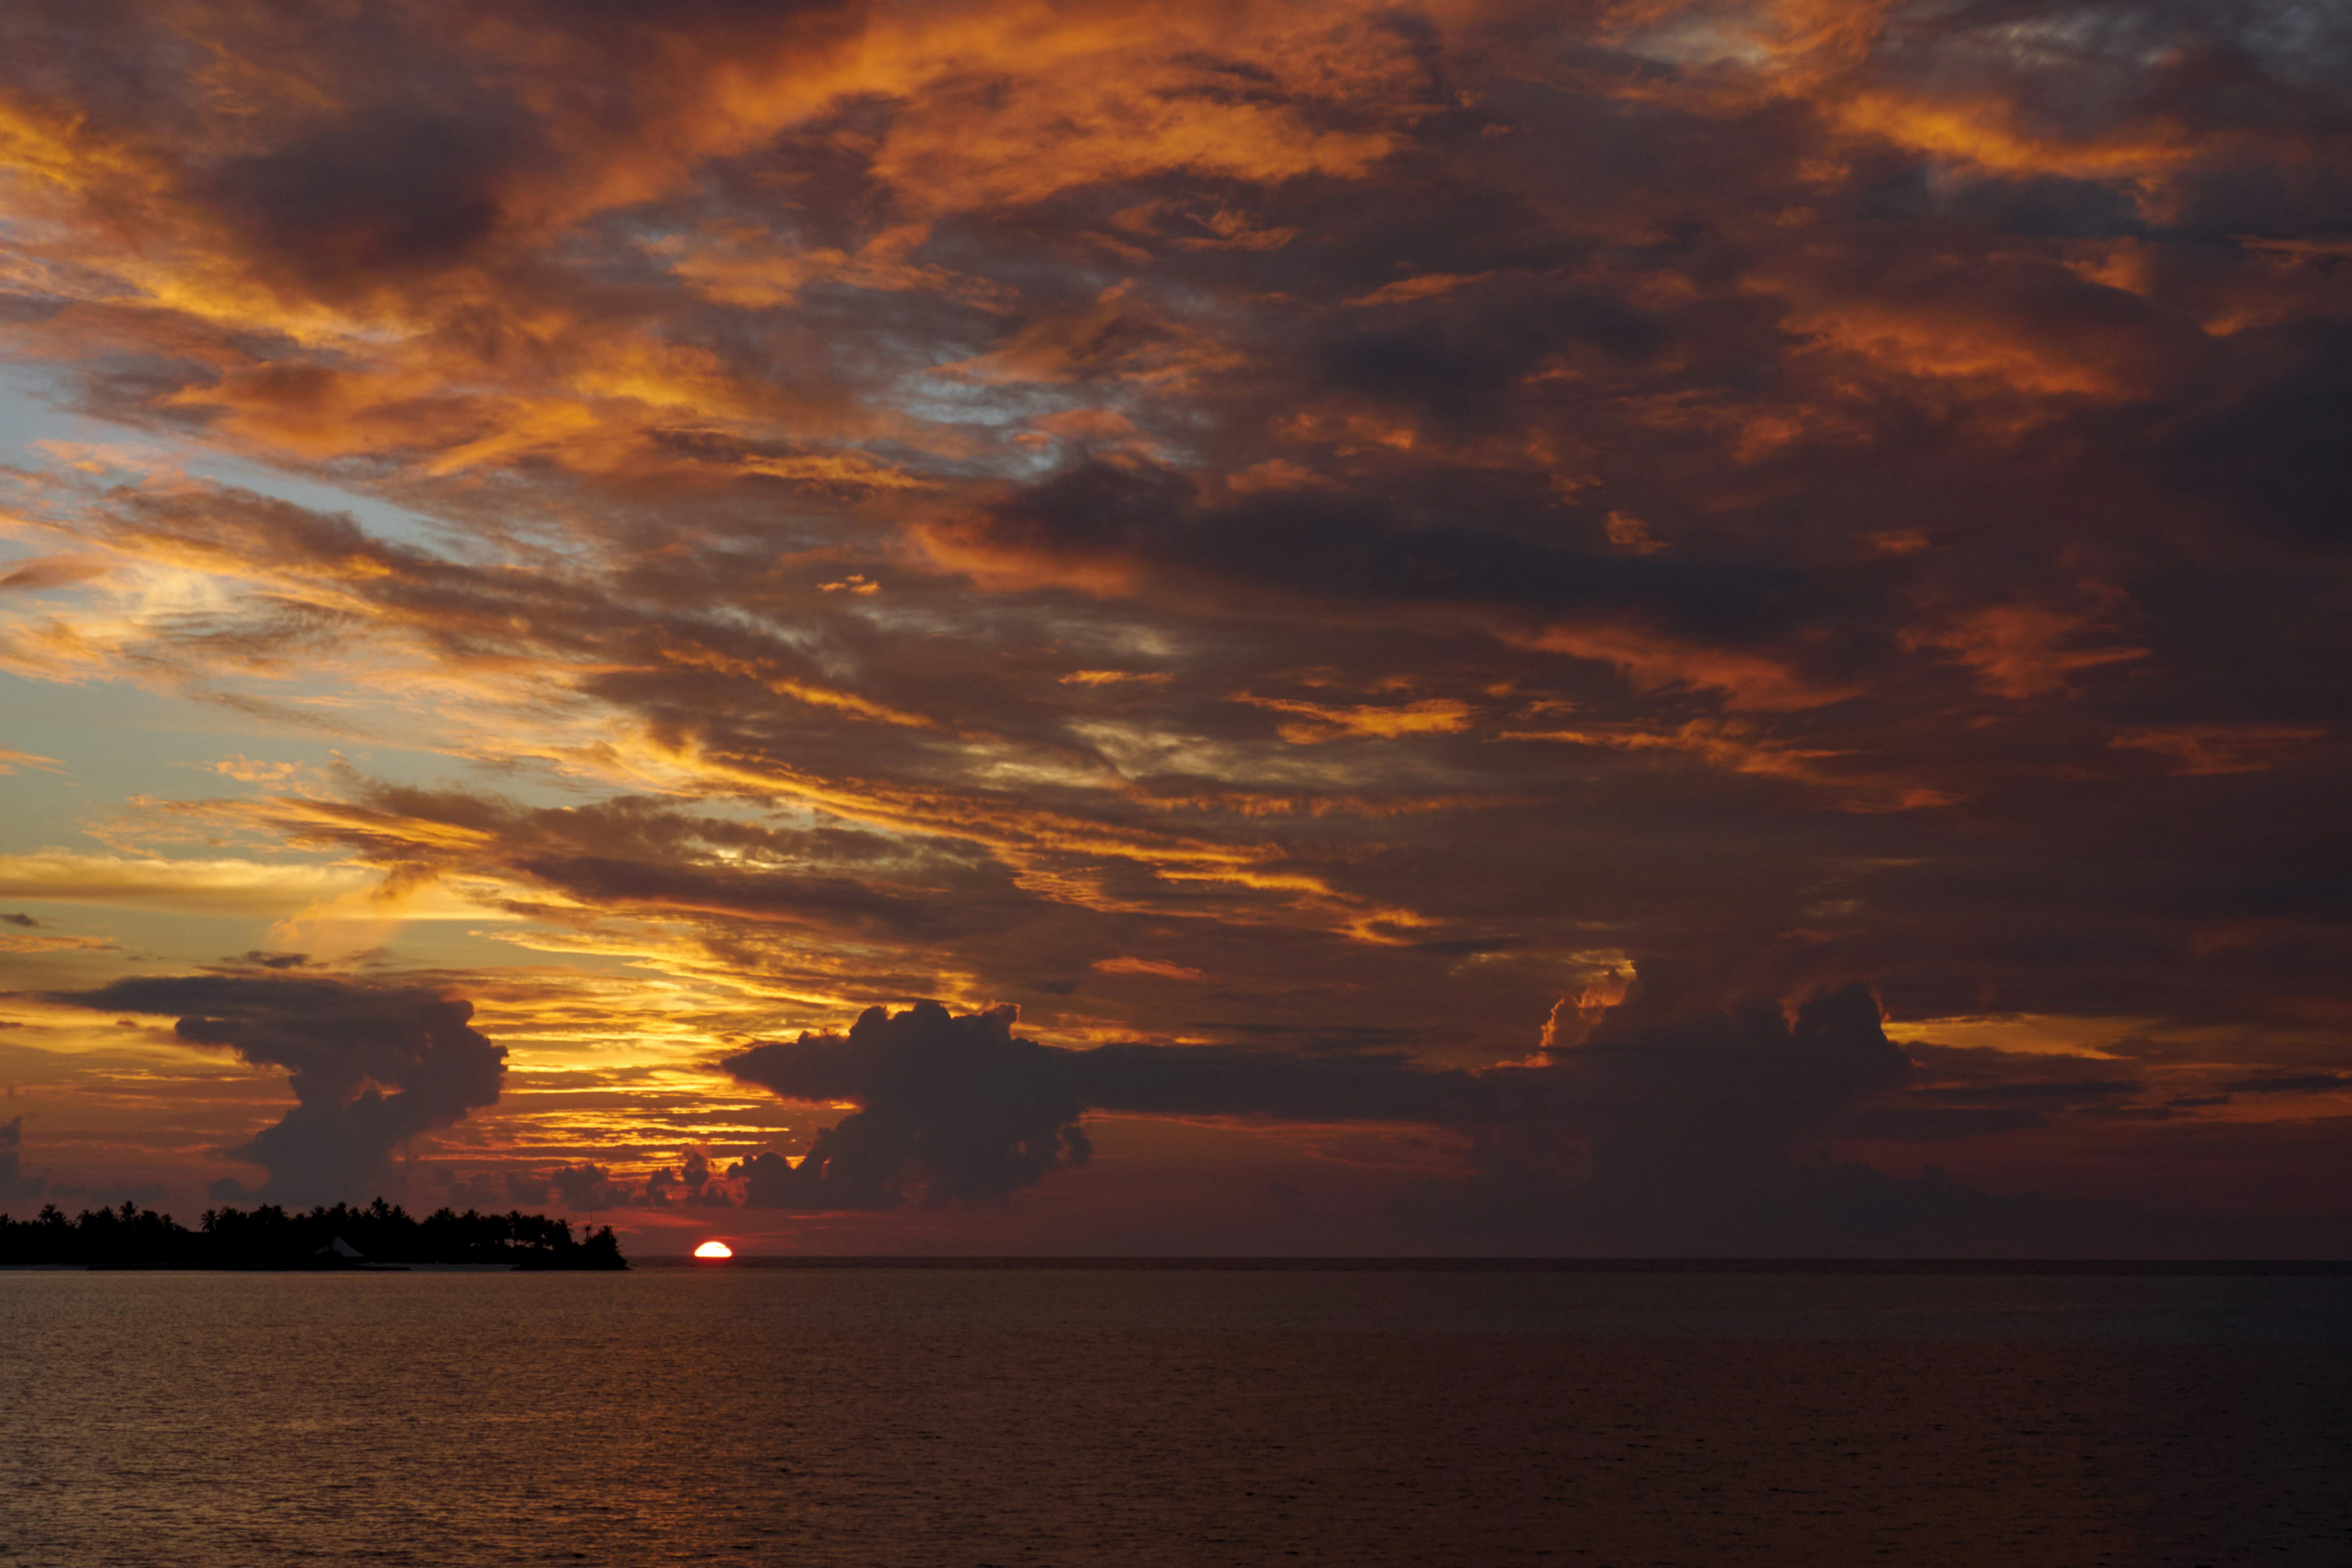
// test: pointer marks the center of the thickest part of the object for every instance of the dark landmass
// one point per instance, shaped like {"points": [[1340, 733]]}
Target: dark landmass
{"points": [[2152, 1268], [378, 1236]]}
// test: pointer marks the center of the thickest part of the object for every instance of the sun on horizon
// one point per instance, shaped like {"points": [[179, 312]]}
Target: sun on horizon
{"points": [[714, 1249]]}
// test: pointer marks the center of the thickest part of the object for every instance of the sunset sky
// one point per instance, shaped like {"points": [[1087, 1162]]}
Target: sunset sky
{"points": [[1463, 627]]}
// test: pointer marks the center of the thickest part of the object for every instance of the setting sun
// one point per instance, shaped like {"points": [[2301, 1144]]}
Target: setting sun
{"points": [[714, 1249]]}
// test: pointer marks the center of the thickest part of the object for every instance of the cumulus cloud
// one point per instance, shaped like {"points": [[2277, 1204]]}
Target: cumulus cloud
{"points": [[1678, 1113], [372, 1067], [696, 1183], [1666, 1120], [1666, 1124], [956, 1109], [587, 1188], [1686, 1106]]}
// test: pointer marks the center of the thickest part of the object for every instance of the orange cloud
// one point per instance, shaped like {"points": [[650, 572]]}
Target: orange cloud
{"points": [[1918, 344], [1633, 536], [222, 886], [1653, 661], [2018, 650], [2203, 750], [817, 696], [1429, 716], [1115, 677], [1126, 965], [1988, 132]]}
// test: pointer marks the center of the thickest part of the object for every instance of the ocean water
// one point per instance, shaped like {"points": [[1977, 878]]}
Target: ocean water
{"points": [[1075, 1418]]}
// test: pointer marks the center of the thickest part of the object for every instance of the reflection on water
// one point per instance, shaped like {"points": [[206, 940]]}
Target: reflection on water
{"points": [[1178, 1418]]}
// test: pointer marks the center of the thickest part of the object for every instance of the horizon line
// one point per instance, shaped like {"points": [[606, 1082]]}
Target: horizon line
{"points": [[2317, 1267]]}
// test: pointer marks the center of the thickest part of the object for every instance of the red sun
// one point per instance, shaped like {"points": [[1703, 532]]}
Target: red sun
{"points": [[714, 1249]]}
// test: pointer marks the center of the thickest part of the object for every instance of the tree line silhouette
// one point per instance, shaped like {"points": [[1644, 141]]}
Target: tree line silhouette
{"points": [[272, 1237]]}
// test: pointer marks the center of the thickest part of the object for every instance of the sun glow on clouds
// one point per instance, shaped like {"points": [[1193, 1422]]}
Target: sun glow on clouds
{"points": [[1205, 524]]}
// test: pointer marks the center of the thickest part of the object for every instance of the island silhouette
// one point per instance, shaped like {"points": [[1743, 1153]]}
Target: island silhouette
{"points": [[379, 1234]]}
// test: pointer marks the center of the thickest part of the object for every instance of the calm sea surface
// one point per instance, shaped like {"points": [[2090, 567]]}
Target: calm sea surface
{"points": [[913, 1417]]}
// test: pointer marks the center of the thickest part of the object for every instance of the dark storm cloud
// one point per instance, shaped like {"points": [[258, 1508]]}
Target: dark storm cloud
{"points": [[391, 188], [2269, 454], [593, 1188], [1725, 1089], [1323, 1037], [586, 1188], [1461, 365], [2291, 1083], [957, 1106], [1947, 1113], [1680, 1127], [1344, 549], [404, 150], [371, 1066], [694, 1184], [1909, 1120], [1213, 1081], [1670, 1119]]}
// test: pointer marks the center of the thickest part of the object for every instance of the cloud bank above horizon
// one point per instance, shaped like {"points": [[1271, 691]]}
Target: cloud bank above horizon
{"points": [[1417, 588]]}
